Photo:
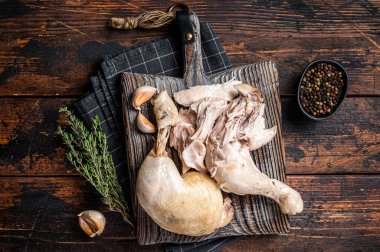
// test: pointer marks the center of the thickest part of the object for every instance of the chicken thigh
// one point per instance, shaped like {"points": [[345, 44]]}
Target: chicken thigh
{"points": [[191, 204]]}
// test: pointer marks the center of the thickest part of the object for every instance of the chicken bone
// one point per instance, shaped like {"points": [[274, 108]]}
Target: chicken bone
{"points": [[191, 204]]}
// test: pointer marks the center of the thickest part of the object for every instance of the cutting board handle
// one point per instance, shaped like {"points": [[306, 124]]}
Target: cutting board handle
{"points": [[194, 73]]}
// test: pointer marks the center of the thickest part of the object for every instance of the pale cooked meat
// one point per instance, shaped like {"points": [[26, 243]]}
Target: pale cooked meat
{"points": [[241, 127], [208, 110], [181, 132], [194, 156], [230, 125], [189, 145], [256, 135], [234, 170], [186, 116], [191, 204], [194, 94]]}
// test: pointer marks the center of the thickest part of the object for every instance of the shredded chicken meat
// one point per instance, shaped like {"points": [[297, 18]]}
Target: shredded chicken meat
{"points": [[180, 135], [191, 204], [230, 124]]}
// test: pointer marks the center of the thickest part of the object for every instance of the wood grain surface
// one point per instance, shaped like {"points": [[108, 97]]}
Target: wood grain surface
{"points": [[49, 49], [340, 211], [346, 143], [252, 215], [60, 42]]}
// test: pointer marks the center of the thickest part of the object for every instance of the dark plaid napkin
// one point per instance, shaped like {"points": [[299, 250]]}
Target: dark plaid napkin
{"points": [[161, 57]]}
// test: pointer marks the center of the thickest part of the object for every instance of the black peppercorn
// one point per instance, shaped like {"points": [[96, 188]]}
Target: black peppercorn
{"points": [[321, 89]]}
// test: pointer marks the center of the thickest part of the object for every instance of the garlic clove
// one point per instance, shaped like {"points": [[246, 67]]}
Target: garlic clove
{"points": [[144, 125], [92, 222], [142, 95]]}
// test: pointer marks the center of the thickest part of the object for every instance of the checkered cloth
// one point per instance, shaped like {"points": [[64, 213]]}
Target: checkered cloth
{"points": [[160, 57]]}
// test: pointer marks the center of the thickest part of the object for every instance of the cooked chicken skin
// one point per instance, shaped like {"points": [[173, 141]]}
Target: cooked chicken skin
{"points": [[238, 128], [194, 156], [214, 134], [226, 91], [207, 102], [191, 204]]}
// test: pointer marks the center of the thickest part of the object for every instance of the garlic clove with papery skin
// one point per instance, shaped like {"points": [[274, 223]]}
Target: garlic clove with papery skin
{"points": [[144, 125], [142, 95], [92, 222]]}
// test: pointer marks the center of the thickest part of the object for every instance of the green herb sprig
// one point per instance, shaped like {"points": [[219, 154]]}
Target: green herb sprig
{"points": [[89, 154]]}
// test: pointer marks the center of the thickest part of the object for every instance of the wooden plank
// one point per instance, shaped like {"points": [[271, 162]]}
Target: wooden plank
{"points": [[28, 140], [47, 209], [52, 47], [330, 221], [61, 43], [96, 244], [342, 212], [292, 54], [314, 17], [297, 242], [138, 147], [346, 143]]}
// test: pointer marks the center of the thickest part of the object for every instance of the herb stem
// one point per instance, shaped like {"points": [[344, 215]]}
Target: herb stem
{"points": [[88, 152]]}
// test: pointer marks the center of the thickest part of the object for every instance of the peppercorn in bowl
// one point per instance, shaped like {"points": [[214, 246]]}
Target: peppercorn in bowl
{"points": [[322, 89]]}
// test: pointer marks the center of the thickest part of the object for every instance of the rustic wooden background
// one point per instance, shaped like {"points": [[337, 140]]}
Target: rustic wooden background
{"points": [[48, 50]]}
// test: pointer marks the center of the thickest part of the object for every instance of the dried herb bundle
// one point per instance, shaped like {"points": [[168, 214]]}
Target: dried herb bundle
{"points": [[89, 154]]}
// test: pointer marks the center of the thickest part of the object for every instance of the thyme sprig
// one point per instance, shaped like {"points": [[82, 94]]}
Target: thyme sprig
{"points": [[89, 154]]}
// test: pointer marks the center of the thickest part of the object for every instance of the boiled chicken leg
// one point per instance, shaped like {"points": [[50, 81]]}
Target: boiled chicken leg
{"points": [[191, 204], [238, 130]]}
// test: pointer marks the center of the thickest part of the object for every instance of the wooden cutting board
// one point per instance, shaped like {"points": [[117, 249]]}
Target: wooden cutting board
{"points": [[253, 214]]}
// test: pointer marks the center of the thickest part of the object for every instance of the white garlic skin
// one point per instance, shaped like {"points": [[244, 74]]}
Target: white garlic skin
{"points": [[92, 222], [142, 95], [144, 125]]}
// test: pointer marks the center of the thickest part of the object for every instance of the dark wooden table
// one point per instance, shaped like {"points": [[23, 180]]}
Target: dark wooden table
{"points": [[49, 49]]}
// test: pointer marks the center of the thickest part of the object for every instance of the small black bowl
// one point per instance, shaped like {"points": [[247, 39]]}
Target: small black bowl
{"points": [[340, 68]]}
